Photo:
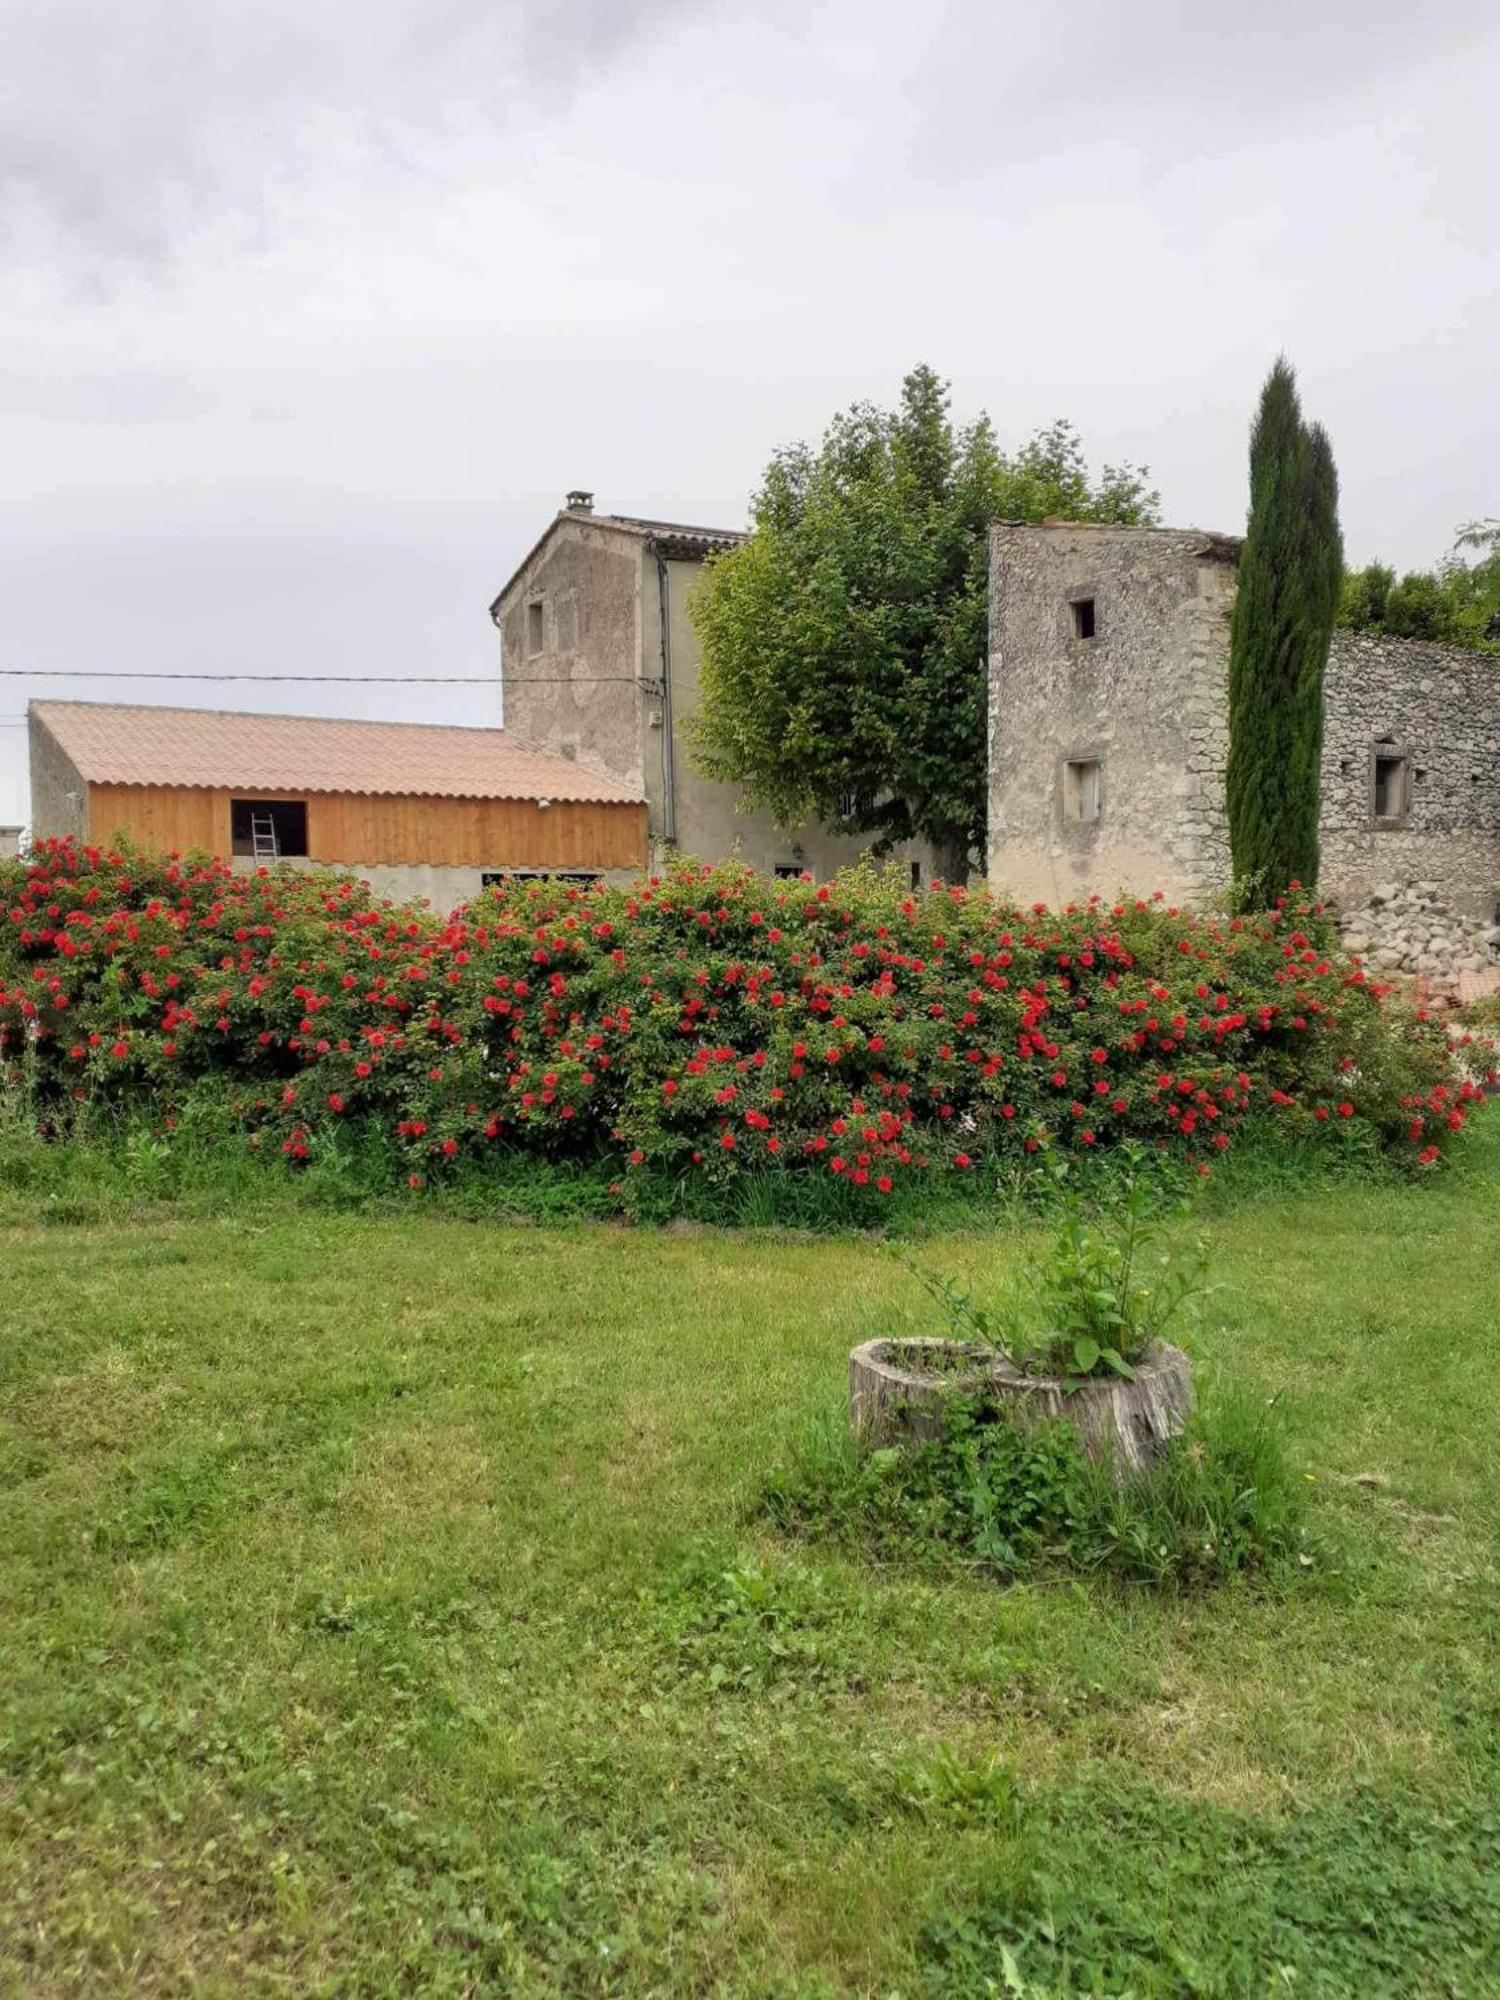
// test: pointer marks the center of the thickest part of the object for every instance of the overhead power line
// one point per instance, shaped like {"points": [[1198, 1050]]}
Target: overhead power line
{"points": [[309, 680]]}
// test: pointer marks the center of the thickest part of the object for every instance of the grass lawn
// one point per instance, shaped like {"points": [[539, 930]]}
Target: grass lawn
{"points": [[383, 1610]]}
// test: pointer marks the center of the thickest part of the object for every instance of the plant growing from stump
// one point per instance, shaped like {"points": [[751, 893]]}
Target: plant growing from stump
{"points": [[1115, 1276]]}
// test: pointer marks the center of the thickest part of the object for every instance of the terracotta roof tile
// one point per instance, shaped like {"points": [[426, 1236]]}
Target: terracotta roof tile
{"points": [[677, 538], [111, 743]]}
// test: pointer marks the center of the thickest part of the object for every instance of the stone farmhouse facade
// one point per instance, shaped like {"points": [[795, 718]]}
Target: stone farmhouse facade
{"points": [[1108, 703], [1108, 723], [600, 663]]}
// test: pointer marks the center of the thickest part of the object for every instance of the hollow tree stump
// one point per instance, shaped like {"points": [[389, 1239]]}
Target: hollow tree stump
{"points": [[1124, 1423], [890, 1404]]}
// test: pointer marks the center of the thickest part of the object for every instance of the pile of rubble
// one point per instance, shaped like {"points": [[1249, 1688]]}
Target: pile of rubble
{"points": [[1406, 928]]}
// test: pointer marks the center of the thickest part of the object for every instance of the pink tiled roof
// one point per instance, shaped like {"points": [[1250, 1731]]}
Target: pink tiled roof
{"points": [[113, 744]]}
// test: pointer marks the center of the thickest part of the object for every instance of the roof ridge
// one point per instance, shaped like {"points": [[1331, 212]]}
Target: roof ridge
{"points": [[283, 715], [256, 750], [641, 525], [1118, 527], [648, 521]]}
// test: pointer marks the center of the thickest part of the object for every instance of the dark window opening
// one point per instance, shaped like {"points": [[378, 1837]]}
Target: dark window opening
{"points": [[1083, 617], [534, 636], [496, 878], [268, 829], [916, 874], [1081, 789], [787, 871], [1392, 792]]}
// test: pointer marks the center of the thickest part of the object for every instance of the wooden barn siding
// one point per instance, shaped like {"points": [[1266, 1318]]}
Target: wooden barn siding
{"points": [[365, 830]]}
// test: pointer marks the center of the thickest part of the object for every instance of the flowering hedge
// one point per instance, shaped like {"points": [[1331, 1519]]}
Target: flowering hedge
{"points": [[707, 1022]]}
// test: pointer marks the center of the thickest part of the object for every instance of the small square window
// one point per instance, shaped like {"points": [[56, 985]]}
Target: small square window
{"points": [[268, 829], [534, 635], [1392, 785], [1081, 789], [1082, 609]]}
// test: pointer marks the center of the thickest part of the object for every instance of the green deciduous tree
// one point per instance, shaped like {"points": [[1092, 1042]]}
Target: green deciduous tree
{"points": [[1458, 602], [844, 642], [1291, 573]]}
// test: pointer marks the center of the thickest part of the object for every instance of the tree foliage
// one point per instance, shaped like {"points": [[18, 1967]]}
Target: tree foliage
{"points": [[1291, 573], [1458, 602], [844, 641]]}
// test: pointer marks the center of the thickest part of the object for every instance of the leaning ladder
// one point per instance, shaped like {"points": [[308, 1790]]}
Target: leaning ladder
{"points": [[263, 837]]}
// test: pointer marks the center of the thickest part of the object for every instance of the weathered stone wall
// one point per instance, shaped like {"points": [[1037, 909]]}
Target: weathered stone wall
{"points": [[442, 887], [594, 693], [1143, 697], [59, 797], [1148, 696], [711, 818], [10, 842], [581, 695], [1440, 707]]}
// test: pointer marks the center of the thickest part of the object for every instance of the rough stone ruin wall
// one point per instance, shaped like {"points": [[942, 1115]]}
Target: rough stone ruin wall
{"points": [[1146, 699], [1142, 698], [1439, 707]]}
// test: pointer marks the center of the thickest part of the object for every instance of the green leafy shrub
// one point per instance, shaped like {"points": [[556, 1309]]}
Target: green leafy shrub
{"points": [[1221, 1499]]}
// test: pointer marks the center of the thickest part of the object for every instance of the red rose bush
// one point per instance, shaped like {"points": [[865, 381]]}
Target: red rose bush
{"points": [[707, 1023]]}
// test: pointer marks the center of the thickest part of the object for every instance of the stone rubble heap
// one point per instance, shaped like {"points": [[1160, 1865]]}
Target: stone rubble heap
{"points": [[1407, 928]]}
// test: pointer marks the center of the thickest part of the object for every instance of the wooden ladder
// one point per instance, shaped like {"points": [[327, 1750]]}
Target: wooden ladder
{"points": [[263, 837]]}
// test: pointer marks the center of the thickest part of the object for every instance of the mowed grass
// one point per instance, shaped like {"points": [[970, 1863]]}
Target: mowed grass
{"points": [[384, 1609]]}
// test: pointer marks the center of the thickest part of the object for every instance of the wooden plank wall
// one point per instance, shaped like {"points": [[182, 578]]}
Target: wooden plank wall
{"points": [[367, 830]]}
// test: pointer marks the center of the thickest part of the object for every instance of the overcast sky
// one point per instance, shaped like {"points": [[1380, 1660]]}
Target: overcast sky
{"points": [[312, 314]]}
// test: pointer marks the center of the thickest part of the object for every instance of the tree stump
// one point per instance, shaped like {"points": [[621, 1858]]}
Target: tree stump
{"points": [[891, 1404], [1123, 1423]]}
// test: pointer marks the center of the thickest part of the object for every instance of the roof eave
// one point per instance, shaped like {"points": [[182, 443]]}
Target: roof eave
{"points": [[579, 518], [563, 780], [675, 544]]}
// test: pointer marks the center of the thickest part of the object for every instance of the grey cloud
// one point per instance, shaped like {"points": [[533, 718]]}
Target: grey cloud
{"points": [[110, 396], [375, 283], [1163, 78], [124, 127]]}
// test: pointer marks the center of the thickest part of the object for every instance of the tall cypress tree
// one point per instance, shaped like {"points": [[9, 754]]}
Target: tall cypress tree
{"points": [[1290, 573]]}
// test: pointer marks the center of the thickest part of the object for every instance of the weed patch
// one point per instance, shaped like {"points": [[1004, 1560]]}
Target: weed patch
{"points": [[1128, 1894], [1222, 1499]]}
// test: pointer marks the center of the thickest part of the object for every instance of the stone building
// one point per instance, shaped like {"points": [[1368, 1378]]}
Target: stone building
{"points": [[1109, 651], [600, 663]]}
